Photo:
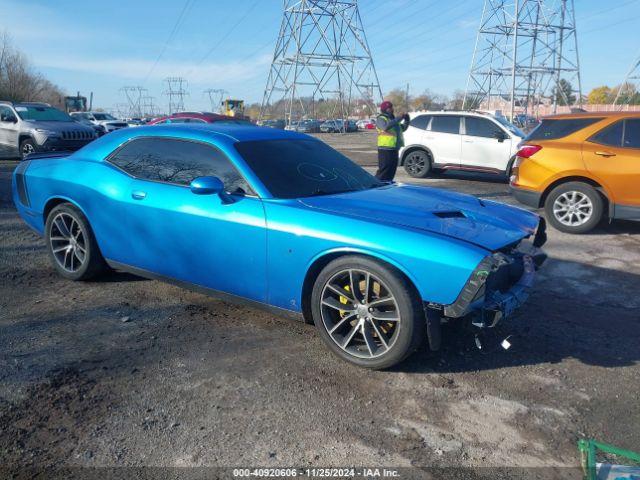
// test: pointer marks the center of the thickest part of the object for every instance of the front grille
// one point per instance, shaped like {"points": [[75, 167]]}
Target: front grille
{"points": [[76, 135]]}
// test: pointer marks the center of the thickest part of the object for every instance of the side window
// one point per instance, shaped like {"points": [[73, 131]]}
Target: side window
{"points": [[611, 135], [552, 129], [177, 161], [446, 124], [195, 120], [631, 133], [421, 121], [480, 127], [5, 114]]}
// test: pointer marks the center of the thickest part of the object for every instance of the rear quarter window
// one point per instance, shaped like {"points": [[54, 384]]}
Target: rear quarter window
{"points": [[551, 129]]}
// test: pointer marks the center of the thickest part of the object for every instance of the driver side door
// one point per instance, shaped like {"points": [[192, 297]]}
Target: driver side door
{"points": [[8, 133], [213, 241]]}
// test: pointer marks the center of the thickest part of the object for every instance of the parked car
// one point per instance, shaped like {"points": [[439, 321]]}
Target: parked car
{"points": [[135, 122], [27, 128], [282, 221], [99, 129], [308, 126], [581, 167], [459, 140], [292, 126], [198, 117], [277, 124], [525, 122], [336, 126], [367, 124], [105, 120]]}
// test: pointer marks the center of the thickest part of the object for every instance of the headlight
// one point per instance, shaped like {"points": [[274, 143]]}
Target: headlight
{"points": [[47, 133]]}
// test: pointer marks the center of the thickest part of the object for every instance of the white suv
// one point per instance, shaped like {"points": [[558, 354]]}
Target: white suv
{"points": [[108, 122], [465, 140]]}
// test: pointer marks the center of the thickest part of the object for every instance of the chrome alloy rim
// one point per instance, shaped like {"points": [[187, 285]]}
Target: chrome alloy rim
{"points": [[416, 163], [27, 149], [572, 208], [360, 313], [68, 242]]}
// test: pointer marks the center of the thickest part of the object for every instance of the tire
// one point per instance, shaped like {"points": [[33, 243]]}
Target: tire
{"points": [[27, 146], [417, 164], [64, 222], [574, 207], [378, 333], [507, 172]]}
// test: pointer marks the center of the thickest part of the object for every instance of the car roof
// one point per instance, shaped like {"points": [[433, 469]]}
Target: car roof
{"points": [[207, 132], [469, 113], [593, 115]]}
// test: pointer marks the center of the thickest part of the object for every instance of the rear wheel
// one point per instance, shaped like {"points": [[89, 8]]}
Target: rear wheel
{"points": [[574, 207], [367, 313], [417, 164], [71, 244]]}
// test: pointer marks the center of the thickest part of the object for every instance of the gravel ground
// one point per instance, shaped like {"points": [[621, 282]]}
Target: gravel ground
{"points": [[130, 372]]}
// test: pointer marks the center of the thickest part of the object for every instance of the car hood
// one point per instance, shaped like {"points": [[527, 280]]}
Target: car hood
{"points": [[59, 126], [490, 225]]}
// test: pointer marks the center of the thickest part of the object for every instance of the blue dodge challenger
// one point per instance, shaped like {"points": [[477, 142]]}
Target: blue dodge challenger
{"points": [[282, 221]]}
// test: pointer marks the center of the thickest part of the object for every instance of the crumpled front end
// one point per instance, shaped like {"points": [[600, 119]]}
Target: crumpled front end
{"points": [[498, 287]]}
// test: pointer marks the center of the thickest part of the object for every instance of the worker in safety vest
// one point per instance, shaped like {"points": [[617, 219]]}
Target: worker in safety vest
{"points": [[390, 140]]}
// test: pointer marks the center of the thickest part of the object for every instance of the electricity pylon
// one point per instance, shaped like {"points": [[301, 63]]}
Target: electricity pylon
{"points": [[627, 89], [176, 91], [147, 106], [526, 54], [216, 95], [134, 95], [321, 55]]}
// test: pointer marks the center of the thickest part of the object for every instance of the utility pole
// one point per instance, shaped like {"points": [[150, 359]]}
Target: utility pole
{"points": [[525, 50], [176, 91], [321, 55]]}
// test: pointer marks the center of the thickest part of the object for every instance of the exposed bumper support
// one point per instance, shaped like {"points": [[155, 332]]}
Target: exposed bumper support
{"points": [[500, 283]]}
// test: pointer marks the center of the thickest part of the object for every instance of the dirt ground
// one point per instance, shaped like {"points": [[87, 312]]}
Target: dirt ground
{"points": [[130, 372]]}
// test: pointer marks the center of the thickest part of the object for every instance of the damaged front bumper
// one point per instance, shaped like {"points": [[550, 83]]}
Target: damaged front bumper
{"points": [[498, 286]]}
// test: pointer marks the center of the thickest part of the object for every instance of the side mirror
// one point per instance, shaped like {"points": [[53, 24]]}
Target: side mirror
{"points": [[207, 186], [8, 118], [500, 135]]}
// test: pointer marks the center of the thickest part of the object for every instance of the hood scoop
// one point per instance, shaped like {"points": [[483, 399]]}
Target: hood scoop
{"points": [[450, 214]]}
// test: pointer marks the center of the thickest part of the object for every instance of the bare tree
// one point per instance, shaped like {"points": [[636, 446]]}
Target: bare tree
{"points": [[19, 82]]}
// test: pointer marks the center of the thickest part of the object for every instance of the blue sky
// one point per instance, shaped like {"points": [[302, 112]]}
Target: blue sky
{"points": [[101, 46]]}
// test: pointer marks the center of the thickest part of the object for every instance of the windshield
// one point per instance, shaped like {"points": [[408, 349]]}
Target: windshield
{"points": [[510, 126], [44, 114], [103, 116], [304, 168]]}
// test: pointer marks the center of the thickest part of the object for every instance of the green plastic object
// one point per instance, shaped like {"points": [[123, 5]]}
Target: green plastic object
{"points": [[588, 450]]}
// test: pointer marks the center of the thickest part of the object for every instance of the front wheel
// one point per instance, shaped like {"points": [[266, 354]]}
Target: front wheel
{"points": [[367, 313], [574, 207], [417, 164], [27, 147]]}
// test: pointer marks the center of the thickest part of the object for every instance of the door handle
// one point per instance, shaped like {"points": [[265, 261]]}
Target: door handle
{"points": [[468, 141], [605, 154], [138, 195]]}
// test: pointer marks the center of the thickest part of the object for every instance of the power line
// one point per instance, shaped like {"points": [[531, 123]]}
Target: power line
{"points": [[174, 30], [226, 35]]}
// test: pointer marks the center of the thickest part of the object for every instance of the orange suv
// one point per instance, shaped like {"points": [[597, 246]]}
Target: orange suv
{"points": [[581, 167]]}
